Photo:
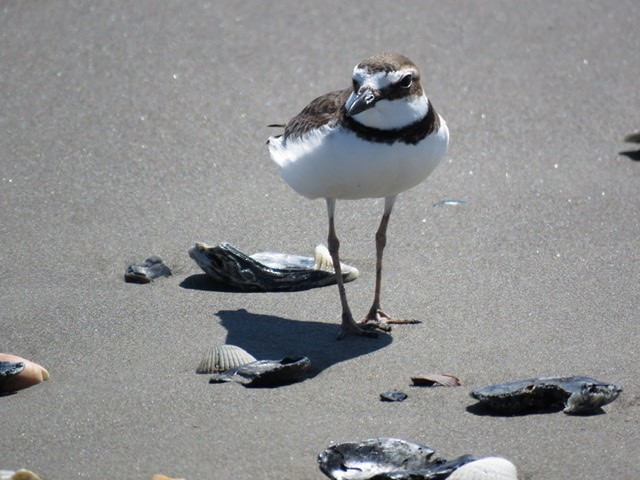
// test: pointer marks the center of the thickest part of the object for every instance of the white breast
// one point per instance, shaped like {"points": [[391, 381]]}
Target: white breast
{"points": [[335, 163], [387, 115]]}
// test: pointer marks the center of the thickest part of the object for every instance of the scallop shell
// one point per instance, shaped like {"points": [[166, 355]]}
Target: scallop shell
{"points": [[224, 357], [488, 468]]}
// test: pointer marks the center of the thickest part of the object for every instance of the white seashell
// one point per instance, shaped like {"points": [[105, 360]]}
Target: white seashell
{"points": [[224, 357], [489, 468], [323, 261]]}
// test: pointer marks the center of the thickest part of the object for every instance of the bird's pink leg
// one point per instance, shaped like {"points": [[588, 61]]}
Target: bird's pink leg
{"points": [[349, 326], [376, 316]]}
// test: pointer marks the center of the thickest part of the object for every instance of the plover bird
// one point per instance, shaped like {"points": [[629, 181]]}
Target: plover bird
{"points": [[375, 139]]}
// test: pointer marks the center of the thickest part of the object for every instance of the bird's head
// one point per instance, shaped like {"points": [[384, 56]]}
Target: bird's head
{"points": [[387, 93]]}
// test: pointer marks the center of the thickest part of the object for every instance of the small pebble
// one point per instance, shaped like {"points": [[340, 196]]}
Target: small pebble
{"points": [[152, 268], [393, 396]]}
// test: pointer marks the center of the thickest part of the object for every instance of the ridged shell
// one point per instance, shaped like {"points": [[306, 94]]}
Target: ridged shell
{"points": [[224, 357], [489, 468]]}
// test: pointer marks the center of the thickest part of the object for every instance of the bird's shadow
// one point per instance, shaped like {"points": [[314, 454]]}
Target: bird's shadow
{"points": [[272, 337]]}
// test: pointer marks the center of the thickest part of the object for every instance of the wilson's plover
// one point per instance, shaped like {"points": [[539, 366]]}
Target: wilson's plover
{"points": [[375, 139]]}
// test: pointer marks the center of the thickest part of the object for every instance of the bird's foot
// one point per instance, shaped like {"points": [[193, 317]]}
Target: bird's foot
{"points": [[350, 327], [379, 320]]}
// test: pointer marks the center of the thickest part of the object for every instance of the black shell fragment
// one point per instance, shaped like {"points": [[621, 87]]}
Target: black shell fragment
{"points": [[573, 395], [263, 272], [152, 268], [266, 373], [9, 369]]}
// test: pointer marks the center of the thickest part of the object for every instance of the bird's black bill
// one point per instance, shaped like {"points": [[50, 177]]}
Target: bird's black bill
{"points": [[360, 101]]}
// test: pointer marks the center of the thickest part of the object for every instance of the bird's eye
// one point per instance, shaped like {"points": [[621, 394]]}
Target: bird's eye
{"points": [[405, 82], [356, 86]]}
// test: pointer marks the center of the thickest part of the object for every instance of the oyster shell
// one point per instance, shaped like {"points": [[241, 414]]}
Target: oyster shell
{"points": [[367, 458], [223, 357], [267, 271], [396, 459], [152, 268], [266, 373], [17, 373], [572, 395]]}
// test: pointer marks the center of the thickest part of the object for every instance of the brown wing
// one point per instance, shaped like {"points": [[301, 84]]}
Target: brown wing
{"points": [[321, 111]]}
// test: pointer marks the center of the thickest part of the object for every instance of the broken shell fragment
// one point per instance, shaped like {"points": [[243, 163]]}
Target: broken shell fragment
{"points": [[267, 271], [17, 373], [393, 396], [266, 373], [159, 476], [436, 379], [397, 459], [572, 395], [224, 357], [147, 271]]}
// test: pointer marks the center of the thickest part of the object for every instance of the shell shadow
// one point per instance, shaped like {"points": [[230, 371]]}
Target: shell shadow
{"points": [[272, 337], [632, 154], [203, 282], [484, 411]]}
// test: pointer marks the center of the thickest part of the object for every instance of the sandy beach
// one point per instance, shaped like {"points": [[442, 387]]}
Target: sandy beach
{"points": [[130, 129]]}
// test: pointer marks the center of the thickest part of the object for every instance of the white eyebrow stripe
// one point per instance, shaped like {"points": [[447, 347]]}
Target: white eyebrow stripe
{"points": [[378, 80]]}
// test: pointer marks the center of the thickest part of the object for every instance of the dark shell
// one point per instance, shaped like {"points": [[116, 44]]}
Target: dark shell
{"points": [[9, 369], [633, 138], [152, 268], [386, 458], [264, 272], [393, 396], [573, 395], [266, 373], [436, 379]]}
